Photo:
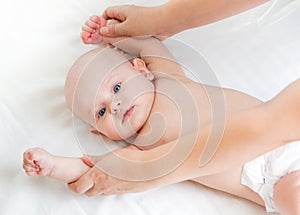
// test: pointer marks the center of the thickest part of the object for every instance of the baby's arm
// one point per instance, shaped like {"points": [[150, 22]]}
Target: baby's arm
{"points": [[37, 161], [156, 56]]}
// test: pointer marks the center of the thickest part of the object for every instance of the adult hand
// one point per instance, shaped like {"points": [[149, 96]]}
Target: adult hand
{"points": [[172, 17], [95, 182], [133, 21]]}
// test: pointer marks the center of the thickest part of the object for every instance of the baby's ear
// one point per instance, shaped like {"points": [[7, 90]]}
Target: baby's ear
{"points": [[138, 63], [94, 131], [140, 66]]}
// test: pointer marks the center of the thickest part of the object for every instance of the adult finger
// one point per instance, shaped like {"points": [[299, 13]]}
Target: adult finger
{"points": [[115, 12], [83, 184], [97, 189], [100, 183], [104, 189], [116, 26], [114, 30]]}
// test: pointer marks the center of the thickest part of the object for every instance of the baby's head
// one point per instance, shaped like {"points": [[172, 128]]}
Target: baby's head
{"points": [[110, 93]]}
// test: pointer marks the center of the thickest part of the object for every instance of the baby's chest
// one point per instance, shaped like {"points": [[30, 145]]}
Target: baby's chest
{"points": [[176, 105]]}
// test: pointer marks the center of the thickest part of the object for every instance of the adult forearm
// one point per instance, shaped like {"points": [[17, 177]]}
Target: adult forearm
{"points": [[246, 136], [179, 15], [167, 164]]}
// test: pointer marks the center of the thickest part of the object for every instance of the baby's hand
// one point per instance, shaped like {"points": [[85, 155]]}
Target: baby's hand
{"points": [[91, 30], [37, 161]]}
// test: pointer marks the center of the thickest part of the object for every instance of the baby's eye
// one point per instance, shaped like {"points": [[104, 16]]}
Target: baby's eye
{"points": [[101, 112], [117, 88]]}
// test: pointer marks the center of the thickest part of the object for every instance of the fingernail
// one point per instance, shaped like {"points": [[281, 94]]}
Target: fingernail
{"points": [[104, 30]]}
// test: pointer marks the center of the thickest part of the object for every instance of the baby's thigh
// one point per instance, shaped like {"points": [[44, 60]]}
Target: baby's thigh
{"points": [[287, 194]]}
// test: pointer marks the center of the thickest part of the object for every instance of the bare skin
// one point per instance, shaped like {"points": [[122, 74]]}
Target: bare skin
{"points": [[37, 161], [265, 133], [172, 17], [287, 194]]}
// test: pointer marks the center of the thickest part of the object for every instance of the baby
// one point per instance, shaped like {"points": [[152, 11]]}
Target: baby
{"points": [[172, 122]]}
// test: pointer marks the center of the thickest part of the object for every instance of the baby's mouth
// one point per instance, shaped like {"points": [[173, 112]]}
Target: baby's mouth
{"points": [[128, 114]]}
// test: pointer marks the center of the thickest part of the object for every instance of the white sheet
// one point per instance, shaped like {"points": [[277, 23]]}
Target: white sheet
{"points": [[256, 52]]}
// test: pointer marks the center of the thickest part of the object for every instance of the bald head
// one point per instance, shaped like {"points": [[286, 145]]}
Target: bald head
{"points": [[74, 73], [85, 77]]}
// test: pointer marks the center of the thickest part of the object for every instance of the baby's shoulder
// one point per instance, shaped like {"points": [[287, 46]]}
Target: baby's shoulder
{"points": [[165, 82], [174, 89]]}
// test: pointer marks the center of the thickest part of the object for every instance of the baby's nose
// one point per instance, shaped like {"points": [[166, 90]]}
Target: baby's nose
{"points": [[116, 107]]}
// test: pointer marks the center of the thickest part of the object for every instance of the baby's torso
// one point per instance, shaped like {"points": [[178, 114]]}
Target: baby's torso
{"points": [[183, 107]]}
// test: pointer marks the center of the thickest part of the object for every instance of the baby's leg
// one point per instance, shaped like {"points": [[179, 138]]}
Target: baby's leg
{"points": [[287, 194], [229, 181], [37, 161]]}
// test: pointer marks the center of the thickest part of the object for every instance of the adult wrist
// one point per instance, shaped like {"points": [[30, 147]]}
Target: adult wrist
{"points": [[162, 23]]}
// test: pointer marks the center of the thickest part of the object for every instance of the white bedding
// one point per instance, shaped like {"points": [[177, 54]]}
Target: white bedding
{"points": [[256, 52]]}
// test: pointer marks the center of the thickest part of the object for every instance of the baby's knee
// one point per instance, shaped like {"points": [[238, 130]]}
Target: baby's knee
{"points": [[287, 194], [295, 207], [296, 199]]}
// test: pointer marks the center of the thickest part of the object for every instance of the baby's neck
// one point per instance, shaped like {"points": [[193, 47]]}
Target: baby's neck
{"points": [[157, 130]]}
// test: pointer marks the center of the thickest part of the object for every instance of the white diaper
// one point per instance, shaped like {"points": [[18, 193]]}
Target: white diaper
{"points": [[262, 173]]}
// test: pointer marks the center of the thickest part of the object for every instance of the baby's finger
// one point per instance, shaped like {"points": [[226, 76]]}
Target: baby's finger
{"points": [[103, 22], [28, 162], [28, 165], [92, 24], [95, 19], [31, 173], [88, 29], [27, 155], [86, 37], [29, 168], [85, 34]]}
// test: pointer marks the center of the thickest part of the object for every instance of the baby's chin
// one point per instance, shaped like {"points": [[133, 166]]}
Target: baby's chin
{"points": [[129, 129], [129, 133], [121, 137]]}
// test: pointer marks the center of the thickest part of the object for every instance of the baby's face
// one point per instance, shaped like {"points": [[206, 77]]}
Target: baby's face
{"points": [[114, 98], [123, 103]]}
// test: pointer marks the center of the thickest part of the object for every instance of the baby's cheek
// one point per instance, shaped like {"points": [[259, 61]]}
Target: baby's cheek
{"points": [[138, 120]]}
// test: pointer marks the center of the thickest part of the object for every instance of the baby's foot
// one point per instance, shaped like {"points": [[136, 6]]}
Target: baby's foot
{"points": [[90, 30], [37, 161]]}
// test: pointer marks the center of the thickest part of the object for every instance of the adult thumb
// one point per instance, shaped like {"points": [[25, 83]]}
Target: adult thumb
{"points": [[114, 30], [90, 160]]}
